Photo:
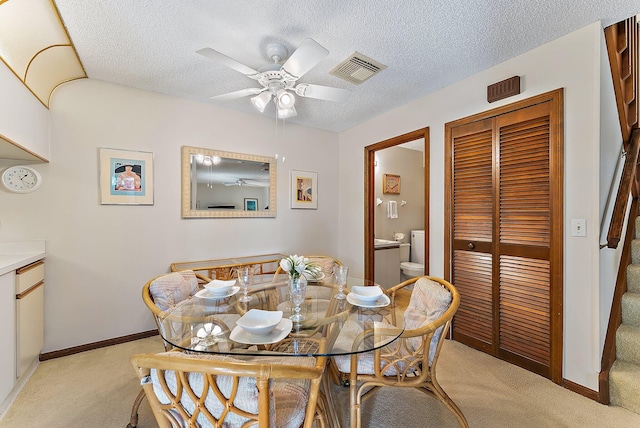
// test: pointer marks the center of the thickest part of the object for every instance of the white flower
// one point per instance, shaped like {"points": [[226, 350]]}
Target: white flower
{"points": [[296, 265], [285, 264]]}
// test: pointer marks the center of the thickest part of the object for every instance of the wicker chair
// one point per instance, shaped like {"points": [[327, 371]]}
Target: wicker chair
{"points": [[192, 281], [410, 361], [206, 390]]}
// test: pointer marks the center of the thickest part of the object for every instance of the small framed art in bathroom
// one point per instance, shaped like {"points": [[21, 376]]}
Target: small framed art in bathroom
{"points": [[390, 183]]}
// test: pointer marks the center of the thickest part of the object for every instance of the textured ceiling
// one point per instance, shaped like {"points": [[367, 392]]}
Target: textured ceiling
{"points": [[426, 45]]}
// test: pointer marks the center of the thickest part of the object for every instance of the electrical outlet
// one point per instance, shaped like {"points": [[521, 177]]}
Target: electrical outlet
{"points": [[578, 227]]}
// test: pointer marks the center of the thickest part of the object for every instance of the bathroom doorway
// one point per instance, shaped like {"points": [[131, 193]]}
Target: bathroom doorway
{"points": [[390, 195]]}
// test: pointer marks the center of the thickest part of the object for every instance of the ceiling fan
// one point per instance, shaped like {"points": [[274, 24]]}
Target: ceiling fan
{"points": [[248, 182], [279, 81]]}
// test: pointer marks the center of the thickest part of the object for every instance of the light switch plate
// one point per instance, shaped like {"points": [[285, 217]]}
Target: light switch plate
{"points": [[578, 227]]}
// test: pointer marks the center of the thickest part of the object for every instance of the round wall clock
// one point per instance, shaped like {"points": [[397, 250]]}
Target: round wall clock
{"points": [[21, 179]]}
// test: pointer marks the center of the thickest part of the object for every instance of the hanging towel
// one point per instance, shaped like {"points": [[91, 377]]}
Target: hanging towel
{"points": [[392, 209]]}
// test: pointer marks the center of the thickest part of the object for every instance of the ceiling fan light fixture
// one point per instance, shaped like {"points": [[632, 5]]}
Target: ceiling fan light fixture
{"points": [[286, 113], [261, 100], [286, 100]]}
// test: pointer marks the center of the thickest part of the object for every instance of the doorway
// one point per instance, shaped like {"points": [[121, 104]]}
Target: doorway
{"points": [[371, 203]]}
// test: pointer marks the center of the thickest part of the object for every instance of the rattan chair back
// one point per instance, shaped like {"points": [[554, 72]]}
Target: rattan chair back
{"points": [[174, 377]]}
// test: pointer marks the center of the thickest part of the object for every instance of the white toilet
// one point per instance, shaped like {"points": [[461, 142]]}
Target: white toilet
{"points": [[412, 266]]}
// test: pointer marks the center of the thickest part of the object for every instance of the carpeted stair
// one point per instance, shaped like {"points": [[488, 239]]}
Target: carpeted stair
{"points": [[624, 378]]}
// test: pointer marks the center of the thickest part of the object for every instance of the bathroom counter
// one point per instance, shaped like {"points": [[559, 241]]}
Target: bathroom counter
{"points": [[384, 243]]}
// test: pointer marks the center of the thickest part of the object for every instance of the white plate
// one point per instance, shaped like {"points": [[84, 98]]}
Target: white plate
{"points": [[319, 278], [380, 303], [206, 294], [281, 331]]}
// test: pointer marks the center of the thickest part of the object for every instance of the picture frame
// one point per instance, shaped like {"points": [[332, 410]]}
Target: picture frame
{"points": [[304, 189], [390, 183], [250, 204], [125, 177]]}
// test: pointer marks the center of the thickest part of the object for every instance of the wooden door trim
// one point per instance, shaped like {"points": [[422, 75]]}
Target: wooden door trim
{"points": [[369, 195]]}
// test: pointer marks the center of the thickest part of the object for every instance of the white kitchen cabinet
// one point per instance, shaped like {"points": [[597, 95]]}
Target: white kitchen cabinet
{"points": [[29, 315], [7, 334]]}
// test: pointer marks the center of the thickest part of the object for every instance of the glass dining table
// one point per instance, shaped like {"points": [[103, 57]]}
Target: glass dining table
{"points": [[207, 323]]}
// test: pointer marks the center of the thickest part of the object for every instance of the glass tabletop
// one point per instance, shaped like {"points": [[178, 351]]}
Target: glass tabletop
{"points": [[207, 323]]}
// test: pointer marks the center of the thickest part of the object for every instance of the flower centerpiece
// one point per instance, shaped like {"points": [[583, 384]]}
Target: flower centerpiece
{"points": [[298, 268], [295, 266]]}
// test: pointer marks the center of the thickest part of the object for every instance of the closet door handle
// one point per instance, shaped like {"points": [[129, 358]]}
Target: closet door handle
{"points": [[471, 246]]}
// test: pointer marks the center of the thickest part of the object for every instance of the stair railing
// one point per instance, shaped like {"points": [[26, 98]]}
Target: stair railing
{"points": [[628, 186], [622, 47]]}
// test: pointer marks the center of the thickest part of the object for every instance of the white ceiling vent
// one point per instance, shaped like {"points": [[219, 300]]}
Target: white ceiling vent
{"points": [[357, 68]]}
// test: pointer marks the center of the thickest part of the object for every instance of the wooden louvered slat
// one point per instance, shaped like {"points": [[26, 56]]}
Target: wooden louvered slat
{"points": [[524, 183], [524, 308], [472, 273], [472, 181]]}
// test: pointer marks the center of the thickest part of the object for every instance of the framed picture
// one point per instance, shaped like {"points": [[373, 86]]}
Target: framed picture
{"points": [[250, 204], [304, 189], [126, 177], [390, 183]]}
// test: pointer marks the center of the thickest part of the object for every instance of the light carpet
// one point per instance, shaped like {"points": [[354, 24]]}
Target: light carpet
{"points": [[97, 388]]}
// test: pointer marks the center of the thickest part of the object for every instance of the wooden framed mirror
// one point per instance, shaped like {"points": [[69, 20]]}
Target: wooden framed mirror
{"points": [[226, 184]]}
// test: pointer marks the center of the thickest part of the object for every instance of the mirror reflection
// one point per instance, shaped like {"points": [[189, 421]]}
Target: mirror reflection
{"points": [[226, 184]]}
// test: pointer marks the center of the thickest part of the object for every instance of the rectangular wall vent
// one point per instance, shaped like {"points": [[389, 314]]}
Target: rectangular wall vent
{"points": [[357, 68], [503, 89]]}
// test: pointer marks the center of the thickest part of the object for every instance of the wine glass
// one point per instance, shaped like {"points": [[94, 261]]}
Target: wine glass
{"points": [[244, 278], [298, 291], [340, 273]]}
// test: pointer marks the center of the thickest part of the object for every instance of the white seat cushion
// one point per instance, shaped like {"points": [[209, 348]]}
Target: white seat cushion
{"points": [[343, 343], [170, 289], [429, 300], [326, 264]]}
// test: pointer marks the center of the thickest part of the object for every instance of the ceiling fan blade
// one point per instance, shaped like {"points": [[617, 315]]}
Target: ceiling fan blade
{"points": [[237, 94], [225, 60], [256, 183], [308, 55], [327, 93]]}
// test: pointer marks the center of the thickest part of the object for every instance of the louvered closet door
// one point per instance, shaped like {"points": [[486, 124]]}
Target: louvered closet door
{"points": [[506, 242], [472, 218], [524, 230]]}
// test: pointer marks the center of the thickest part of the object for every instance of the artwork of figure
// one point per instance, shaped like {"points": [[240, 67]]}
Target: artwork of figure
{"points": [[128, 178], [304, 190]]}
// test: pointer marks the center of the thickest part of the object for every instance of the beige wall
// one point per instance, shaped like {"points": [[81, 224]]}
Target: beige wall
{"points": [[571, 62], [99, 256]]}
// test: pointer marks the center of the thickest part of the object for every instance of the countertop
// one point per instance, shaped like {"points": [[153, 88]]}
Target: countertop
{"points": [[384, 244], [16, 254]]}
